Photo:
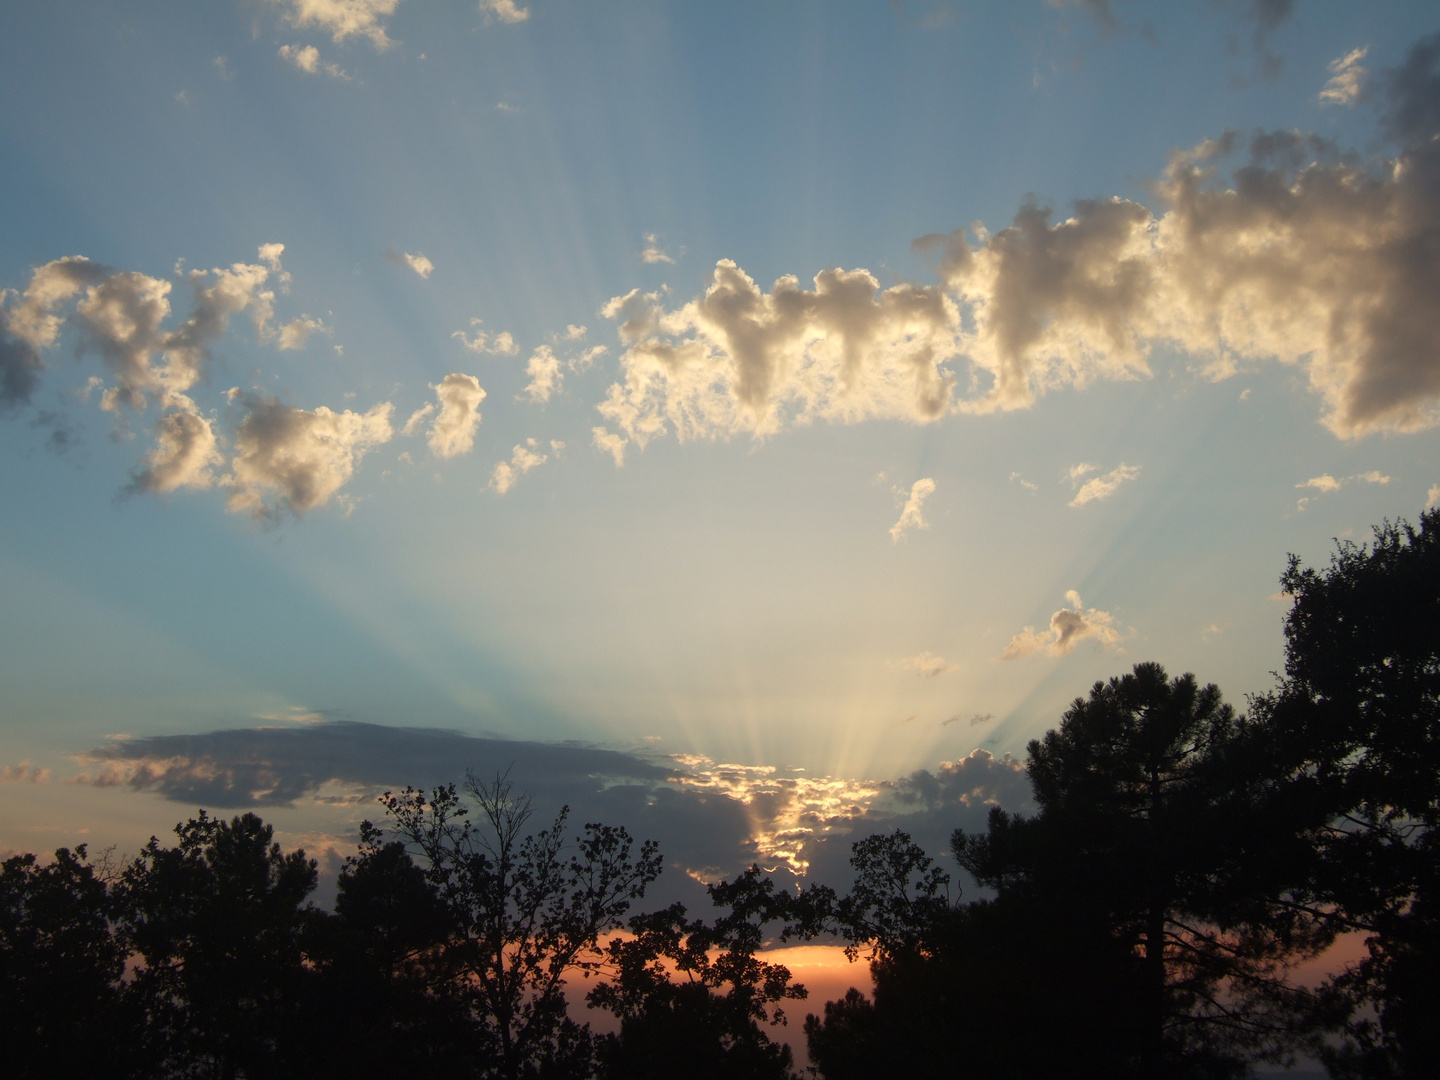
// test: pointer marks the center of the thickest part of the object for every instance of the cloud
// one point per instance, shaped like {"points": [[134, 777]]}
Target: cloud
{"points": [[572, 333], [977, 780], [738, 359], [186, 452], [1068, 627], [1346, 79], [1413, 93], [342, 19], [523, 458], [417, 262], [306, 58], [612, 444], [121, 316], [295, 333], [290, 460], [1323, 483], [453, 432], [926, 665], [1326, 484], [652, 252], [501, 344], [1101, 487], [544, 371], [1432, 497], [32, 325], [24, 773], [506, 11], [1307, 257], [911, 516]]}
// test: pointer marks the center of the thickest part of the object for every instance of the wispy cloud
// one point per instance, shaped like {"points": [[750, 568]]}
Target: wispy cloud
{"points": [[1347, 78], [306, 58], [505, 11], [652, 252], [926, 665], [416, 262], [342, 19], [912, 516], [524, 457], [1100, 487]]}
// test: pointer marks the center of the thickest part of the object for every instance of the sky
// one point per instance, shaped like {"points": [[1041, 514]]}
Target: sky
{"points": [[750, 423]]}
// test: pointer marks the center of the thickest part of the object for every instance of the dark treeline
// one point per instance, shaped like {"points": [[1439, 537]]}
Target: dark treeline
{"points": [[1144, 923]]}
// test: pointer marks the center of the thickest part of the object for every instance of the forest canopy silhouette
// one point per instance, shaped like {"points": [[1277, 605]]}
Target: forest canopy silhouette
{"points": [[1147, 921]]}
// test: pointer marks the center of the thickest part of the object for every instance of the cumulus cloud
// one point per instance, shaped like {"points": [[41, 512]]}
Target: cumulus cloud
{"points": [[1100, 487], [1306, 257], [29, 322], [291, 460], [912, 516], [506, 11], [501, 344], [652, 252], [342, 19], [977, 780], [1324, 483], [185, 455], [926, 665], [523, 458], [544, 370], [1068, 627], [453, 432], [739, 359], [1347, 78], [306, 58]]}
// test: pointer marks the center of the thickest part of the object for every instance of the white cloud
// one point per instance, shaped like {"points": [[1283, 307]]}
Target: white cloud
{"points": [[417, 262], [652, 252], [523, 458], [1068, 627], [501, 344], [504, 10], [926, 665], [186, 452], [1101, 487], [342, 19], [612, 444], [293, 460], [1432, 497], [1323, 483], [544, 371], [912, 517], [417, 420], [295, 333], [583, 360], [306, 58], [1016, 478], [453, 432], [1346, 79], [1326, 484], [572, 333], [741, 360]]}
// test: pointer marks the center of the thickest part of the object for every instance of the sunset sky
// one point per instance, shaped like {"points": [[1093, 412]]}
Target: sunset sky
{"points": [[734, 416]]}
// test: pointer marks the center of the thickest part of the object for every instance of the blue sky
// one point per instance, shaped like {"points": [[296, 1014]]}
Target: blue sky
{"points": [[570, 372]]}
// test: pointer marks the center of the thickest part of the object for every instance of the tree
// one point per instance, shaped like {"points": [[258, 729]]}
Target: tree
{"points": [[520, 915], [215, 924], [1155, 821], [691, 996], [1355, 725], [60, 972], [1009, 988]]}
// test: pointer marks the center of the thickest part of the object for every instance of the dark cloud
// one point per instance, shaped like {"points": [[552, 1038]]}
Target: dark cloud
{"points": [[710, 820], [1413, 93]]}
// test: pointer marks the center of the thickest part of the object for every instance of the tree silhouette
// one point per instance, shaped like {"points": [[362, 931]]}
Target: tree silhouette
{"points": [[214, 924], [691, 995], [520, 915], [1153, 820], [1355, 724], [63, 1013]]}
